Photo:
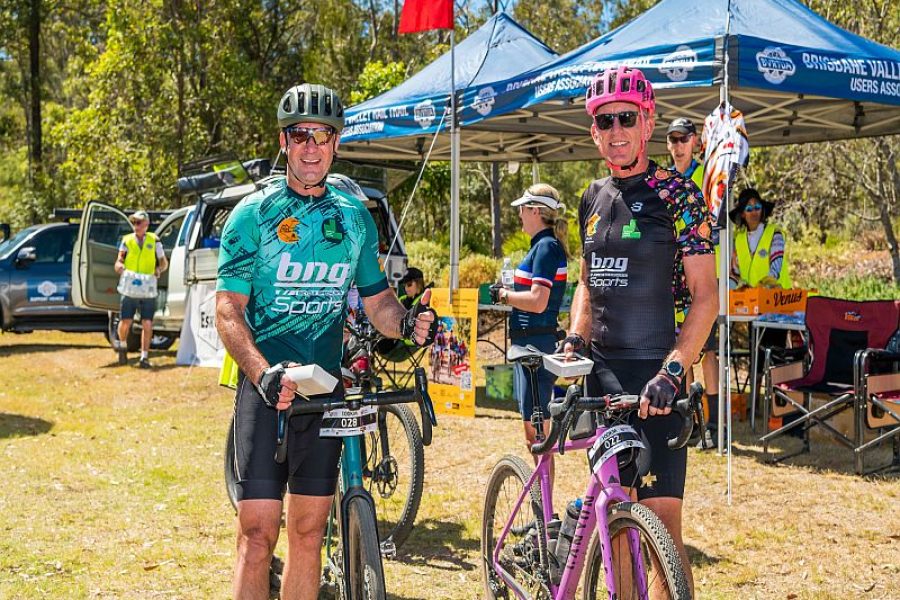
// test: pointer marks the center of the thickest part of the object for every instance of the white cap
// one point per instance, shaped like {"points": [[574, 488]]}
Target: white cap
{"points": [[547, 201]]}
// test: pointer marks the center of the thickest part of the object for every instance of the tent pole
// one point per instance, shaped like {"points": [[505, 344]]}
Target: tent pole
{"points": [[535, 171], [454, 173], [724, 271]]}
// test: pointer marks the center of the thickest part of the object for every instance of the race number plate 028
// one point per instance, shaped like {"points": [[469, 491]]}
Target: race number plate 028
{"points": [[343, 422], [614, 440]]}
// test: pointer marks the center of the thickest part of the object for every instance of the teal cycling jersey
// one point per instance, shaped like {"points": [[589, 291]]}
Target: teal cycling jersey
{"points": [[295, 257]]}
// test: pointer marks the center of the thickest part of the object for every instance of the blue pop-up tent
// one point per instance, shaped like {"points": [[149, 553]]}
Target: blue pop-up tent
{"points": [[416, 109], [796, 77]]}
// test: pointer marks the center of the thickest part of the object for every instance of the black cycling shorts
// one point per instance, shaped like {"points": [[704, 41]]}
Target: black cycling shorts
{"points": [[668, 468], [311, 467]]}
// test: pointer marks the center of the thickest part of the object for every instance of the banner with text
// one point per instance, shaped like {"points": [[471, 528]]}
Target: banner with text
{"points": [[199, 344], [451, 366]]}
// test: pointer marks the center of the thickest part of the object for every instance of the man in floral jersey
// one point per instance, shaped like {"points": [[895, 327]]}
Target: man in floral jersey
{"points": [[646, 254]]}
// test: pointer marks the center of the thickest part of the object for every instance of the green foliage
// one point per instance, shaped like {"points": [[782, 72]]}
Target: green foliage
{"points": [[474, 270], [519, 242], [376, 78], [857, 287], [429, 256]]}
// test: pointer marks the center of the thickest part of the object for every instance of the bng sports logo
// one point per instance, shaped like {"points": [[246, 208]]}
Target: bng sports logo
{"points": [[608, 271], [775, 65], [312, 288]]}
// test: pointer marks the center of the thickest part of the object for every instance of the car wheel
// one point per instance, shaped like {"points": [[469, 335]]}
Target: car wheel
{"points": [[162, 341]]}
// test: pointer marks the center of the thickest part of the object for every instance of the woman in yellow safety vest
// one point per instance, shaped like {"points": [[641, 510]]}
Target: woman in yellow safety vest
{"points": [[758, 255]]}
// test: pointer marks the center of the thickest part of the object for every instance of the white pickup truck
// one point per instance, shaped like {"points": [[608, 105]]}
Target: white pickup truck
{"points": [[190, 237]]}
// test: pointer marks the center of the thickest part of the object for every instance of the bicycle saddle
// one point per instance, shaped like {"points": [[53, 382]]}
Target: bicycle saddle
{"points": [[516, 353]]}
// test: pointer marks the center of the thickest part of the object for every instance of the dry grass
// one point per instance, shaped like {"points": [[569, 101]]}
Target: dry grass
{"points": [[112, 488]]}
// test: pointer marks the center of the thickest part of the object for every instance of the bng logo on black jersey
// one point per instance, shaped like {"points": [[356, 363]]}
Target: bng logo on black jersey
{"points": [[608, 271]]}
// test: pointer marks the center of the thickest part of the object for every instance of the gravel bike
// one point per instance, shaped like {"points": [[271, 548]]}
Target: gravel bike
{"points": [[525, 553], [393, 454]]}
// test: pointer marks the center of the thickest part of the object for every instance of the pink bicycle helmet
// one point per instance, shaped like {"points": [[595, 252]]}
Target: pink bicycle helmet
{"points": [[620, 84]]}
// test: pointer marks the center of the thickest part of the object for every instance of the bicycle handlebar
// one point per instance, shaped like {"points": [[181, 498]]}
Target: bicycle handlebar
{"points": [[564, 412], [304, 406]]}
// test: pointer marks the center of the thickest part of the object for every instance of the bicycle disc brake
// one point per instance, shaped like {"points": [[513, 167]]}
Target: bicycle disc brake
{"points": [[385, 476]]}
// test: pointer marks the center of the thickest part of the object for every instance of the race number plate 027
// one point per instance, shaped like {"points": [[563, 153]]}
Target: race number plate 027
{"points": [[343, 422], [614, 440]]}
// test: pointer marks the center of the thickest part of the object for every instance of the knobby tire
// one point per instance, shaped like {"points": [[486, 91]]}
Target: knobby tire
{"points": [[661, 559]]}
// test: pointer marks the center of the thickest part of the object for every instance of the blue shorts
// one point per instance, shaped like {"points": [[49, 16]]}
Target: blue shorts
{"points": [[146, 306], [545, 379]]}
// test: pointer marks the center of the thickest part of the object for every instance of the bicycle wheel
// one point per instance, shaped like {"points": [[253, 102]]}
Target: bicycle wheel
{"points": [[361, 545], [525, 545], [662, 568], [395, 465]]}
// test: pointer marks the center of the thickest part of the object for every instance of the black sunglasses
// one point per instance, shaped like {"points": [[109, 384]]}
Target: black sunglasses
{"points": [[627, 119], [319, 135], [680, 139]]}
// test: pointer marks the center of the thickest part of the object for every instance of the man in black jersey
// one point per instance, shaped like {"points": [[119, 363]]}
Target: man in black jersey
{"points": [[646, 258]]}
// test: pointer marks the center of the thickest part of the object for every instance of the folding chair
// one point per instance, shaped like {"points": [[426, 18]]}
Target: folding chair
{"points": [[838, 330], [877, 373], [396, 361]]}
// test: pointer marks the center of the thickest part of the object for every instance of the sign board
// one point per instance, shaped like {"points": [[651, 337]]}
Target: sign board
{"points": [[451, 365], [199, 344]]}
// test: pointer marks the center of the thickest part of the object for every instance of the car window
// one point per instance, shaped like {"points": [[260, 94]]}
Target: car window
{"points": [[8, 246], [107, 227], [54, 245], [169, 234], [186, 228]]}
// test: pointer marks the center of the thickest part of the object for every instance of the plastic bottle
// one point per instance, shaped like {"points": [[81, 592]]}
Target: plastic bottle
{"points": [[507, 273], [567, 531]]}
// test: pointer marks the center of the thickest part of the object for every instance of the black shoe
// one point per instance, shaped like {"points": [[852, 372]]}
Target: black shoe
{"points": [[144, 363]]}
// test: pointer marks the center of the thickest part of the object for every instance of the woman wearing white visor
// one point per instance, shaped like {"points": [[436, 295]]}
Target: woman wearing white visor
{"points": [[539, 286]]}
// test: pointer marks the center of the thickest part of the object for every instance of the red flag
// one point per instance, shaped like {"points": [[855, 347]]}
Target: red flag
{"points": [[424, 15]]}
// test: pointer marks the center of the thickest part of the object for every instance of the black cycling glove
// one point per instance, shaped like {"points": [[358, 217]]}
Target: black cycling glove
{"points": [[408, 324], [269, 384], [494, 290], [576, 340], [661, 390]]}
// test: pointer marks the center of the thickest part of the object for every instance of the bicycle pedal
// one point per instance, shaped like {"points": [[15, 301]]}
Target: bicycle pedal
{"points": [[389, 549]]}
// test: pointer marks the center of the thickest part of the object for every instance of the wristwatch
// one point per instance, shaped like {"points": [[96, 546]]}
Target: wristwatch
{"points": [[503, 296], [675, 369]]}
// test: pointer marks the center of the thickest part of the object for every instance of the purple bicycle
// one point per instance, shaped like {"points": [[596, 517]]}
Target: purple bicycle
{"points": [[529, 553]]}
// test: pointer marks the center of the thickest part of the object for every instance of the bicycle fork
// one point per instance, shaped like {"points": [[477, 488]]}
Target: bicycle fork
{"points": [[352, 486]]}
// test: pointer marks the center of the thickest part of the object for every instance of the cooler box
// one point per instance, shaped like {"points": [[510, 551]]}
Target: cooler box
{"points": [[498, 381], [759, 301]]}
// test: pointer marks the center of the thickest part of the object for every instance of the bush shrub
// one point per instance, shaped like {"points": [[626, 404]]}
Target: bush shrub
{"points": [[474, 270], [429, 256]]}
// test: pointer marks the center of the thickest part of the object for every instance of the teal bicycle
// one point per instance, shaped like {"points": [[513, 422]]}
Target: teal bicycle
{"points": [[353, 567]]}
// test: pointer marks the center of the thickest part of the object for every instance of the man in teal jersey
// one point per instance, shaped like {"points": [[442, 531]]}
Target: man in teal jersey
{"points": [[289, 254]]}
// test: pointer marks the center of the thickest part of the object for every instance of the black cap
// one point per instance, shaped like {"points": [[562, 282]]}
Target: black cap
{"points": [[681, 125], [412, 274]]}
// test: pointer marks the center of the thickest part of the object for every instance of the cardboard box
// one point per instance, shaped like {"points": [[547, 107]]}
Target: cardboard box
{"points": [[759, 301]]}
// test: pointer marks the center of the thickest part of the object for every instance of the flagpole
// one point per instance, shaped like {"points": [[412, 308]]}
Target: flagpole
{"points": [[725, 323], [454, 173]]}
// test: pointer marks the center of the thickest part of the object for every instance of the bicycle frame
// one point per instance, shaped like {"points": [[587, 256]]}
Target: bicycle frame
{"points": [[598, 497]]}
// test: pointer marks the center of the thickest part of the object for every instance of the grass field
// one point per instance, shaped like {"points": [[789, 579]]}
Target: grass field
{"points": [[112, 488]]}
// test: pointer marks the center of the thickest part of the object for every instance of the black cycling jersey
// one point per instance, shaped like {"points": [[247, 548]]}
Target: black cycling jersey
{"points": [[635, 231]]}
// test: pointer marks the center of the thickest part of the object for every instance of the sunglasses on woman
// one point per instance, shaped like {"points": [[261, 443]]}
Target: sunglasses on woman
{"points": [[319, 135], [626, 118], [751, 206]]}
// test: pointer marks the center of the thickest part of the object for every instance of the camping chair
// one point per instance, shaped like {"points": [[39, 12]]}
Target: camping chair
{"points": [[877, 373], [827, 367], [396, 361]]}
